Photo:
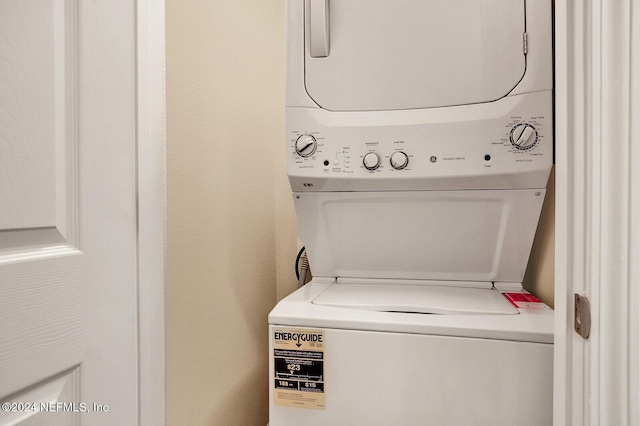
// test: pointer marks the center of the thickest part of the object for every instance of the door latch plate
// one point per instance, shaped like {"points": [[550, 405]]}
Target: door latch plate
{"points": [[582, 316]]}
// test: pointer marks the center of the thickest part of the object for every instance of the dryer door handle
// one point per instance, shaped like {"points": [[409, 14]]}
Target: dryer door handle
{"points": [[319, 28]]}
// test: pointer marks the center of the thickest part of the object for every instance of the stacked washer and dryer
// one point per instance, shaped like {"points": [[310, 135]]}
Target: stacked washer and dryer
{"points": [[419, 144]]}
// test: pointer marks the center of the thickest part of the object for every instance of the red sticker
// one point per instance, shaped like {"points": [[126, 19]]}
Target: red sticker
{"points": [[518, 299]]}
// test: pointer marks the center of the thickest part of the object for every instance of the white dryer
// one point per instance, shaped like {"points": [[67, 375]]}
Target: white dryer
{"points": [[419, 144]]}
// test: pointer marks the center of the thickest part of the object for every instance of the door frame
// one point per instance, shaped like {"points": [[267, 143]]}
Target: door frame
{"points": [[151, 203], [596, 381], [569, 353]]}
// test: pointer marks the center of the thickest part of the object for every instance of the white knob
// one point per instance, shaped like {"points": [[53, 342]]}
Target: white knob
{"points": [[371, 161], [306, 145], [399, 160], [523, 136]]}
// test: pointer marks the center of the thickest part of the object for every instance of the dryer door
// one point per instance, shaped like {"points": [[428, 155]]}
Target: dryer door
{"points": [[407, 54]]}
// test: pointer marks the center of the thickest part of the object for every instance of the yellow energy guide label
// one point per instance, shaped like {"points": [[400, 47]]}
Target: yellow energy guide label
{"points": [[298, 357]]}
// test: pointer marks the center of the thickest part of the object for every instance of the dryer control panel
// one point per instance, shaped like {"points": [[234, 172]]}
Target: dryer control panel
{"points": [[506, 144]]}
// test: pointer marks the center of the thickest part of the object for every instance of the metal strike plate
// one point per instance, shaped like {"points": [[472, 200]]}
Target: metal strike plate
{"points": [[582, 316]]}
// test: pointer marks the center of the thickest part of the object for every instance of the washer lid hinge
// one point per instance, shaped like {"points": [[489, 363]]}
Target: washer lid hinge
{"points": [[525, 43]]}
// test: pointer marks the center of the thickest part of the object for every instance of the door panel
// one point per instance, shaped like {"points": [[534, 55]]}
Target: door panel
{"points": [[28, 113], [47, 399], [41, 265], [42, 320], [68, 216]]}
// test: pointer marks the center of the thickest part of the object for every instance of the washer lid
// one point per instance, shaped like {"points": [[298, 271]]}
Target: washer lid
{"points": [[391, 54], [427, 299]]}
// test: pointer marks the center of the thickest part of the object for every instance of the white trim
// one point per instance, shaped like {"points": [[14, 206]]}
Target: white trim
{"points": [[151, 210], [633, 279], [569, 164], [598, 200]]}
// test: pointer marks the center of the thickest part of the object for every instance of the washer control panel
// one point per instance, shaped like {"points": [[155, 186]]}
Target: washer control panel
{"points": [[513, 147]]}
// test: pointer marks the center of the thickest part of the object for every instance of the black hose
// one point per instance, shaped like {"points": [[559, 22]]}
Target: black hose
{"points": [[298, 262]]}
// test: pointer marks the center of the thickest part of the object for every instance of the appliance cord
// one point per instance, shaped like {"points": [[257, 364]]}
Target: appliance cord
{"points": [[302, 267]]}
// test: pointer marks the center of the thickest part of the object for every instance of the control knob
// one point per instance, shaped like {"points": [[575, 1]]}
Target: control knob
{"points": [[306, 145], [399, 160], [523, 136], [371, 161]]}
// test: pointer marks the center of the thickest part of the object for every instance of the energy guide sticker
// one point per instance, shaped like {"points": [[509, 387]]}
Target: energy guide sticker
{"points": [[298, 357]]}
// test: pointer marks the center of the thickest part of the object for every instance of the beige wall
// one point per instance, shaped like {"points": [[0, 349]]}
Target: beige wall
{"points": [[539, 278], [230, 216]]}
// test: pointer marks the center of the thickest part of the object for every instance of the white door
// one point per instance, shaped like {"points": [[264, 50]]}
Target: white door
{"points": [[68, 213]]}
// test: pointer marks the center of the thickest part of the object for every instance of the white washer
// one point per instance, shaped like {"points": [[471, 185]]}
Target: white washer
{"points": [[419, 144]]}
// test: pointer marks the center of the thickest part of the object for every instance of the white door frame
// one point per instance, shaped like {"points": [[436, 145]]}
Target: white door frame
{"points": [[597, 211], [151, 198]]}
